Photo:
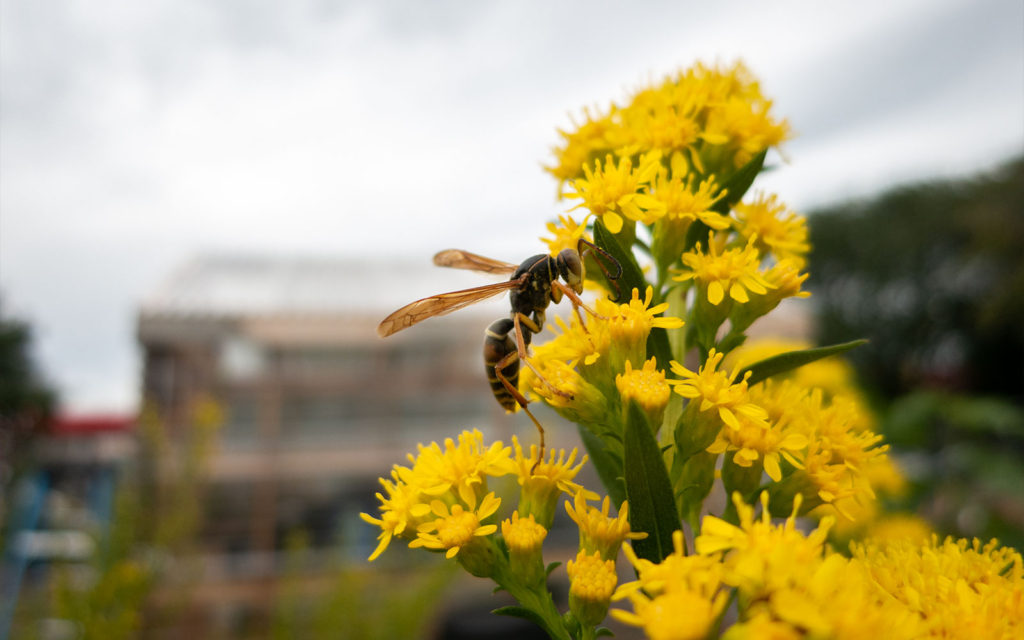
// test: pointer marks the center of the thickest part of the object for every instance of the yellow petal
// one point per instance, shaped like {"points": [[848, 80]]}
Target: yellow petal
{"points": [[715, 292], [612, 221]]}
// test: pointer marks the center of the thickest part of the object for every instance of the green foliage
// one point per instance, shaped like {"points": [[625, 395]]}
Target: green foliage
{"points": [[356, 603], [933, 276]]}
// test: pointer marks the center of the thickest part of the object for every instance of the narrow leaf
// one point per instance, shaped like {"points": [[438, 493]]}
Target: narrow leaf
{"points": [[652, 507], [784, 362], [608, 467], [739, 182], [521, 612], [632, 276]]}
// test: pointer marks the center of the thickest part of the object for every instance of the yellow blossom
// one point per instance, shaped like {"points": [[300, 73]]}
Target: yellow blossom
{"points": [[720, 271], [524, 538], [777, 229], [678, 598], [401, 511], [592, 581], [542, 481], [461, 468], [613, 190], [567, 234], [457, 526], [957, 588], [717, 390], [647, 387], [599, 531]]}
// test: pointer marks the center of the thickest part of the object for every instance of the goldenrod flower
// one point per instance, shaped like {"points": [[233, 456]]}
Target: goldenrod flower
{"points": [[756, 440], [761, 557], [567, 234], [580, 146], [462, 468], [599, 531], [744, 127], [716, 390], [720, 271], [402, 510], [620, 331], [457, 526], [956, 588], [566, 391], [524, 538], [647, 387], [680, 597], [541, 482], [592, 581], [613, 190], [777, 229]]}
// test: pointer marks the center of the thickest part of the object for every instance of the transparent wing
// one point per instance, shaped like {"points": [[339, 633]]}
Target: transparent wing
{"points": [[441, 304], [459, 259]]}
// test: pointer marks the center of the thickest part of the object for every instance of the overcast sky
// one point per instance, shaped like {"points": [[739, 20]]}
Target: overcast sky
{"points": [[135, 135]]}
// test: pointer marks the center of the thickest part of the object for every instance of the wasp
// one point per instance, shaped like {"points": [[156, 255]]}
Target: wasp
{"points": [[533, 285]]}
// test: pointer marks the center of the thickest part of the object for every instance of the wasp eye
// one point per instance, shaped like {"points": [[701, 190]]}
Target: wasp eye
{"points": [[570, 268]]}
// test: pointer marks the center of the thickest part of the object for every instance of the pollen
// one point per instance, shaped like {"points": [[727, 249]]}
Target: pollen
{"points": [[591, 577], [646, 387], [523, 535]]}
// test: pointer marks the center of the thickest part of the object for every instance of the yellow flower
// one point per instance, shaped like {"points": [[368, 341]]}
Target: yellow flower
{"points": [[777, 229], [569, 393], [599, 531], [523, 535], [744, 127], [759, 440], [646, 387], [579, 147], [626, 328], [456, 527], [567, 234], [524, 538], [719, 271], [462, 468], [680, 597], [592, 581], [541, 482], [612, 190], [717, 390], [762, 557], [957, 588], [402, 510]]}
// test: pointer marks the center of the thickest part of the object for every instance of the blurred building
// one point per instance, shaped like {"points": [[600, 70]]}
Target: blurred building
{"points": [[317, 406]]}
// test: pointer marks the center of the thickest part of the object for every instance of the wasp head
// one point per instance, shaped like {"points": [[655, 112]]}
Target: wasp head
{"points": [[570, 268]]}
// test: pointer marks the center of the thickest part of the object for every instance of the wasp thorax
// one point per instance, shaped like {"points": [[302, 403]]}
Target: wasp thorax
{"points": [[570, 268]]}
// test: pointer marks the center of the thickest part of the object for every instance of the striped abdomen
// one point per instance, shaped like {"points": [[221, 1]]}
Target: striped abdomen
{"points": [[498, 343]]}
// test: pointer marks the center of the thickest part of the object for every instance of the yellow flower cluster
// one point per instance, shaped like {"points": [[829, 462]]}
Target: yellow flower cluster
{"points": [[711, 118], [584, 364], [790, 584]]}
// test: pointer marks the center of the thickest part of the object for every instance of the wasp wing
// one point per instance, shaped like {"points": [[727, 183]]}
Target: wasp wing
{"points": [[441, 304], [459, 259]]}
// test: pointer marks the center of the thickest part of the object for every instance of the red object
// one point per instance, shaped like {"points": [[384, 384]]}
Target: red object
{"points": [[71, 425]]}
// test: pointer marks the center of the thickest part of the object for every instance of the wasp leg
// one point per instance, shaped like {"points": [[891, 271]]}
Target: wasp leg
{"points": [[520, 398], [521, 351], [577, 302]]}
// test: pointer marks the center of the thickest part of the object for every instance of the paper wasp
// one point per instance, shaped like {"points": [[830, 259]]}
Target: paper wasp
{"points": [[533, 285]]}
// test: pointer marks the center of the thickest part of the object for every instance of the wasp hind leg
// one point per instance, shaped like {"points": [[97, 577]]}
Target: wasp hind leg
{"points": [[510, 358]]}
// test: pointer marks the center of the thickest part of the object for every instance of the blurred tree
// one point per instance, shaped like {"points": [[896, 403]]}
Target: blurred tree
{"points": [[26, 401], [933, 276]]}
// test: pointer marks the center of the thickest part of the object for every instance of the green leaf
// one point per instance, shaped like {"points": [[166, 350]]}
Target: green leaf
{"points": [[652, 506], [551, 567], [784, 362], [602, 632], [521, 612], [659, 347], [738, 184], [632, 276], [608, 466]]}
